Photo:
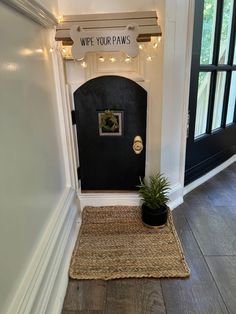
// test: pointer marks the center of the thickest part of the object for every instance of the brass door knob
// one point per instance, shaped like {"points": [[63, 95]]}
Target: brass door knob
{"points": [[138, 144]]}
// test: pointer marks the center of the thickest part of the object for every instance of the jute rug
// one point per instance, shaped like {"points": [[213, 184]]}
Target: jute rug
{"points": [[113, 243]]}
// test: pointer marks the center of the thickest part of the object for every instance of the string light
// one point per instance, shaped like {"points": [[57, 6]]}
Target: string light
{"points": [[155, 45], [141, 47], [40, 50], [127, 59], [51, 50], [60, 19], [112, 59], [149, 58]]}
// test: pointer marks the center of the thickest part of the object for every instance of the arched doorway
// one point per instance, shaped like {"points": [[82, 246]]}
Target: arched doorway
{"points": [[110, 111]]}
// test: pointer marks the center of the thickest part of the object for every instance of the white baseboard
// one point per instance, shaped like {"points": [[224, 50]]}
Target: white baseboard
{"points": [[209, 175], [176, 196], [57, 296], [35, 294], [128, 199], [55, 303]]}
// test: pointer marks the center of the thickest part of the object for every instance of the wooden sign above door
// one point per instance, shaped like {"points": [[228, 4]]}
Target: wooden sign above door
{"points": [[146, 21], [104, 40]]}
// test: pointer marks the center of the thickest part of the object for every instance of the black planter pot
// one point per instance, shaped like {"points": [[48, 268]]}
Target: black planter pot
{"points": [[154, 218]]}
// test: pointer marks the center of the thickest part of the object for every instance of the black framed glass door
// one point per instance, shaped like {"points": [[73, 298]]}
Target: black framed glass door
{"points": [[212, 115]]}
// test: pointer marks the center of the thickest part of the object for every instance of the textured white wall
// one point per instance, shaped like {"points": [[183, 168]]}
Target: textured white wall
{"points": [[31, 163]]}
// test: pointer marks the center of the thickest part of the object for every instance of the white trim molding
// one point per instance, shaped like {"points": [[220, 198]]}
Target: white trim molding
{"points": [[55, 303], [187, 71], [37, 288], [64, 116], [33, 10], [128, 199], [133, 71], [193, 185], [176, 196], [108, 199], [179, 19]]}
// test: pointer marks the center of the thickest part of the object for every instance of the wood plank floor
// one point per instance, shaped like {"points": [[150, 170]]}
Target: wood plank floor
{"points": [[206, 224]]}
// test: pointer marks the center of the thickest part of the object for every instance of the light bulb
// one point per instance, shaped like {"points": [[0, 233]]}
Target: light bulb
{"points": [[140, 47], [60, 19], [101, 59], [127, 59], [84, 64], [112, 59], [51, 50], [149, 58], [155, 45], [40, 50]]}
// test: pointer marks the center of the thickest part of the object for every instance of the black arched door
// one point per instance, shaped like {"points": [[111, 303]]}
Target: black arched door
{"points": [[110, 111]]}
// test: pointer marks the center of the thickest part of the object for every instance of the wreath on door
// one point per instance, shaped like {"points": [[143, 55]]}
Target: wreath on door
{"points": [[109, 122]]}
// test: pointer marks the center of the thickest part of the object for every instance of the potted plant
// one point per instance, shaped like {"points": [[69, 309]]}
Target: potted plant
{"points": [[154, 194]]}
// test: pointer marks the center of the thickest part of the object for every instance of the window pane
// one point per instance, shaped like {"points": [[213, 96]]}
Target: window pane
{"points": [[204, 80], [225, 31], [219, 98], [208, 31], [232, 99]]}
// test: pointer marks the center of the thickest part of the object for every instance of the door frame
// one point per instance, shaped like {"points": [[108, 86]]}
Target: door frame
{"points": [[219, 140], [107, 198], [191, 186]]}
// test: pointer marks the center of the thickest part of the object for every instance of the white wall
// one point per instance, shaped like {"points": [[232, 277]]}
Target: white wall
{"points": [[104, 6], [32, 175]]}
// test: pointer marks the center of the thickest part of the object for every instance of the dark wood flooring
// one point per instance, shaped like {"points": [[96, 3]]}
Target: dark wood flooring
{"points": [[206, 224]]}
